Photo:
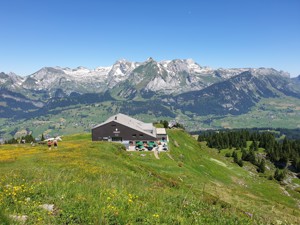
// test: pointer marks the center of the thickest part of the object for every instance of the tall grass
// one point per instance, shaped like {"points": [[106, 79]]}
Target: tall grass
{"points": [[100, 183]]}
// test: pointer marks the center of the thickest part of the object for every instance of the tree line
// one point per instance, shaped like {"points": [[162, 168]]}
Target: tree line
{"points": [[283, 153], [24, 139]]}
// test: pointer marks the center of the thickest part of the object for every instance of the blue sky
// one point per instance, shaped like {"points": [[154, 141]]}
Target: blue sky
{"points": [[90, 33]]}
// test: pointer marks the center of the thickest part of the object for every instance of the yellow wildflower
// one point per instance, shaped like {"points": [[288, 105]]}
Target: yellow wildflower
{"points": [[155, 215]]}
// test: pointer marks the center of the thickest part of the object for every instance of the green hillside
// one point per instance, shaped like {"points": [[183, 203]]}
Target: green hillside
{"points": [[85, 182]]}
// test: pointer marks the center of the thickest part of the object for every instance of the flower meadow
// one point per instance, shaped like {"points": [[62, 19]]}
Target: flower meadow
{"points": [[84, 182]]}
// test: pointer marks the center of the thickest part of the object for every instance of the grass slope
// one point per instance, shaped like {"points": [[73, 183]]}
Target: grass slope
{"points": [[99, 183]]}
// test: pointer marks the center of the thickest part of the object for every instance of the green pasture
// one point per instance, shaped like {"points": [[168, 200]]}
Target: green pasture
{"points": [[100, 183]]}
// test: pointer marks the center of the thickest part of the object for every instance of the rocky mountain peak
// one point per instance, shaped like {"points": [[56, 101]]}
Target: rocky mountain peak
{"points": [[168, 76], [150, 59], [268, 71]]}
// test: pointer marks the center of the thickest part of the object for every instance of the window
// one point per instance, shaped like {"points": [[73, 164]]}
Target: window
{"points": [[134, 135], [141, 135]]}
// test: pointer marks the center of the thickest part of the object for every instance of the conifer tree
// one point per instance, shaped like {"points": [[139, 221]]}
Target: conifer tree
{"points": [[240, 163], [286, 150], [255, 145], [165, 124], [235, 157], [286, 145], [252, 157], [245, 155], [262, 166]]}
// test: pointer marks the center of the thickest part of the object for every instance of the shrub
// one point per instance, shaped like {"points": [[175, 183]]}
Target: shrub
{"points": [[240, 163], [279, 175]]}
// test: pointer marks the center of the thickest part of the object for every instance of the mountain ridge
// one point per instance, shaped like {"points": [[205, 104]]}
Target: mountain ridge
{"points": [[168, 76], [175, 89]]}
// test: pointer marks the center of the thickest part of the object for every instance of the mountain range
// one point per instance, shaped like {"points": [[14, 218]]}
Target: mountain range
{"points": [[162, 89]]}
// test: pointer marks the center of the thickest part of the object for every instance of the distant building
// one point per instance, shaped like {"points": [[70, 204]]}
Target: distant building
{"points": [[121, 128], [172, 123]]}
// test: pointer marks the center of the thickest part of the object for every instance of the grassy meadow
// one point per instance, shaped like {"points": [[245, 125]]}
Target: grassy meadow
{"points": [[88, 182]]}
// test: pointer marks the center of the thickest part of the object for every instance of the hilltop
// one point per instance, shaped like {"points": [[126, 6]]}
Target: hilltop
{"points": [[84, 182]]}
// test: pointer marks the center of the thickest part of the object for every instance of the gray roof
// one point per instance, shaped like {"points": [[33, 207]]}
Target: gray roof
{"points": [[161, 131], [135, 124]]}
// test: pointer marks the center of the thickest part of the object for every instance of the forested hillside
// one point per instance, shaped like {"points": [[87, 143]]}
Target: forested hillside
{"points": [[284, 153]]}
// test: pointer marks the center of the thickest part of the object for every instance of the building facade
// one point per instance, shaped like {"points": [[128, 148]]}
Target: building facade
{"points": [[124, 128]]}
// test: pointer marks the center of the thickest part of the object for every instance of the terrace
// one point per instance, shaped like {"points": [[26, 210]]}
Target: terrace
{"points": [[160, 146]]}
